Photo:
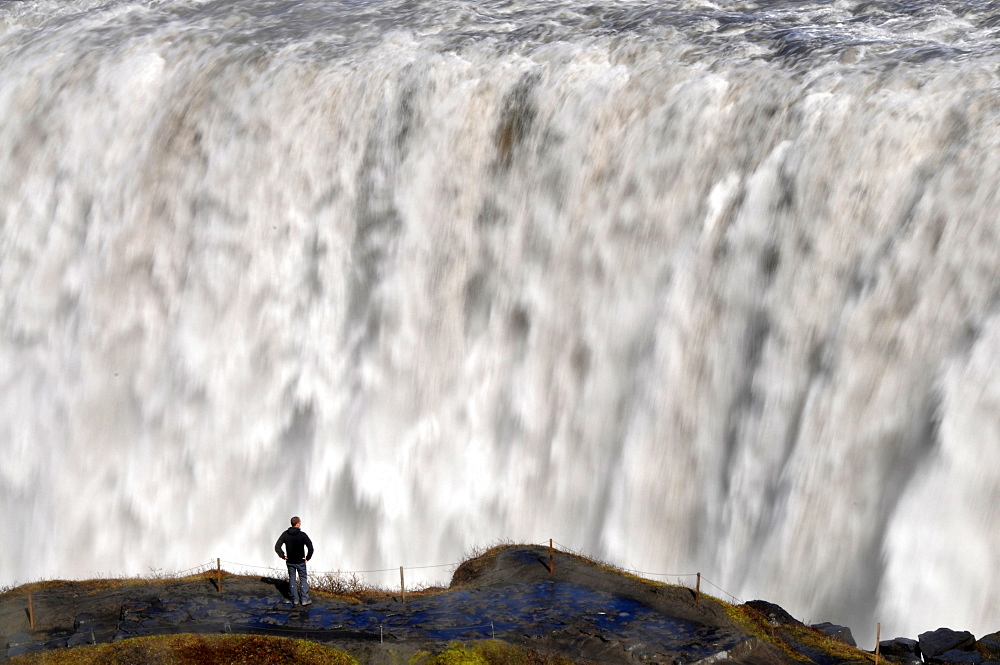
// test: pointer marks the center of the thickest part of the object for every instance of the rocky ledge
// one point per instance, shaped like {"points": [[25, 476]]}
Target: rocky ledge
{"points": [[582, 611]]}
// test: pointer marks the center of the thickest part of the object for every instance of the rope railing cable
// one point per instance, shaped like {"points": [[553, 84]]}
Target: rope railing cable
{"points": [[647, 573], [569, 550], [667, 575], [563, 548], [347, 572], [249, 565], [355, 572], [199, 567], [439, 565], [713, 584]]}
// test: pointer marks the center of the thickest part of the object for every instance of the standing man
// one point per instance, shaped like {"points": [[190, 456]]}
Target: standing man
{"points": [[300, 550]]}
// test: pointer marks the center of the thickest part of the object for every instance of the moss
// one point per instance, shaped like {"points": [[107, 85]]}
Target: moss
{"points": [[194, 649], [503, 653], [792, 640], [420, 657], [812, 638], [455, 654], [757, 625], [487, 652]]}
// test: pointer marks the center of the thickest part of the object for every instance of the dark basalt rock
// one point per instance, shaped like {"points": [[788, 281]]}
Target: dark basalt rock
{"points": [[960, 656], [133, 607], [81, 638], [840, 633], [935, 643], [901, 647], [85, 621], [172, 617], [989, 646], [130, 625], [19, 644], [775, 615]]}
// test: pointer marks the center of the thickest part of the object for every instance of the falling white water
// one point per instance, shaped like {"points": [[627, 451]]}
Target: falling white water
{"points": [[694, 288]]}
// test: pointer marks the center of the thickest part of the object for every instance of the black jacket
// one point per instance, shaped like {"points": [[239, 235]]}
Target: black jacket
{"points": [[297, 543]]}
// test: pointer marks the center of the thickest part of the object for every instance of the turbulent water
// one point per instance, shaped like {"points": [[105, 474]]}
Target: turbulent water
{"points": [[687, 286]]}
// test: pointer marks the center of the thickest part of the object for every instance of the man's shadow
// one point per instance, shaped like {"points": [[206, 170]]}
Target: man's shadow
{"points": [[281, 585]]}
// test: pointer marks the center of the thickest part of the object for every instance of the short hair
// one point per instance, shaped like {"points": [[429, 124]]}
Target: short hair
{"points": [[296, 521]]}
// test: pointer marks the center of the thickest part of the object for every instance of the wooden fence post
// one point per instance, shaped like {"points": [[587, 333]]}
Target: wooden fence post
{"points": [[552, 568], [697, 589], [218, 574], [402, 586], [31, 612], [878, 639]]}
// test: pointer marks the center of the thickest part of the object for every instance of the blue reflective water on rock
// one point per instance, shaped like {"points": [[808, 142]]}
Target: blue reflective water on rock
{"points": [[532, 611]]}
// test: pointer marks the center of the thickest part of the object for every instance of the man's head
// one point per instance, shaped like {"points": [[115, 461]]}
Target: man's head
{"points": [[296, 521]]}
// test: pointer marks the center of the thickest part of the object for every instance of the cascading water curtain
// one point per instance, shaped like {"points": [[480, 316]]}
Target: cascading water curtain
{"points": [[689, 288]]}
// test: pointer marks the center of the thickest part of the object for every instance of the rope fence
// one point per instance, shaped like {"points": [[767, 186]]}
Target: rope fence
{"points": [[194, 570], [339, 572], [650, 575]]}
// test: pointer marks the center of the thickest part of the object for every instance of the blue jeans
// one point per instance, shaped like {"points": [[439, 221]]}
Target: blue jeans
{"points": [[298, 570]]}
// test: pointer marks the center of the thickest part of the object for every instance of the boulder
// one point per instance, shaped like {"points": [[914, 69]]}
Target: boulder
{"points": [[959, 656], [901, 647], [774, 614], [989, 646], [936, 642], [840, 633]]}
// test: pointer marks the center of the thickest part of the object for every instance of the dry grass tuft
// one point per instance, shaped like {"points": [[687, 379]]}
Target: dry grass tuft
{"points": [[479, 559], [815, 639], [350, 587], [103, 583]]}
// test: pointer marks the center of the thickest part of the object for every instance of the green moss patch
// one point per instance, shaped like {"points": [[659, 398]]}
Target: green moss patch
{"points": [[487, 652]]}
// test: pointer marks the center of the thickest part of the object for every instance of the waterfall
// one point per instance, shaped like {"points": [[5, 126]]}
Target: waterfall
{"points": [[699, 288]]}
